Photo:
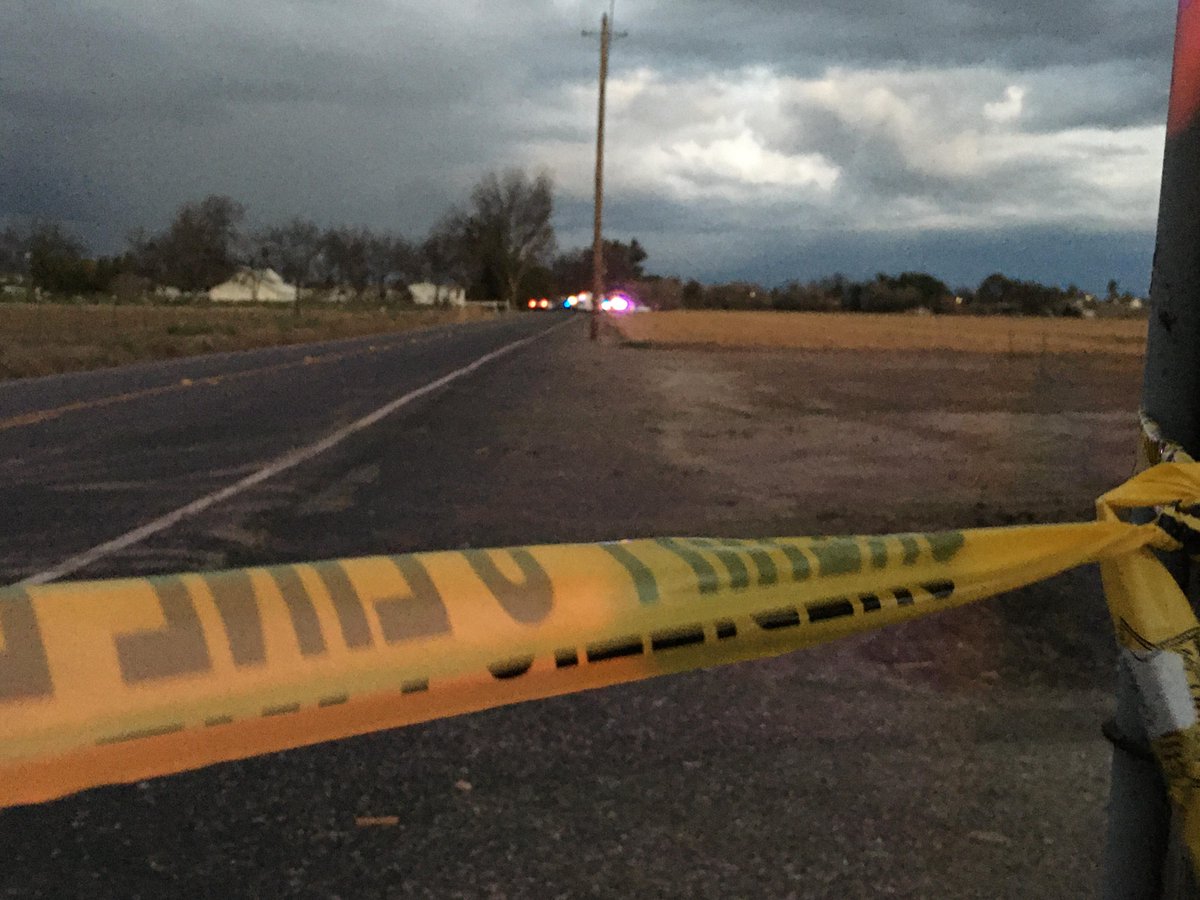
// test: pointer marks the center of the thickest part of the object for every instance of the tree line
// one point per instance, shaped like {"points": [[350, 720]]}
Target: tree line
{"points": [[498, 245], [997, 294]]}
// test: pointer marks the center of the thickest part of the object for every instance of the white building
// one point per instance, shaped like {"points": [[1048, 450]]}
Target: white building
{"points": [[254, 286], [428, 294]]}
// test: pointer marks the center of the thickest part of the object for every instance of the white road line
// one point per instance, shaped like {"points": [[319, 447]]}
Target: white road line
{"points": [[275, 467]]}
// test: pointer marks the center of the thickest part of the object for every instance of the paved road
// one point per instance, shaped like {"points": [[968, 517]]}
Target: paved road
{"points": [[959, 757], [87, 457]]}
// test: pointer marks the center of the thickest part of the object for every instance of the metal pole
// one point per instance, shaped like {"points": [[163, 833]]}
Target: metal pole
{"points": [[1140, 860], [598, 235]]}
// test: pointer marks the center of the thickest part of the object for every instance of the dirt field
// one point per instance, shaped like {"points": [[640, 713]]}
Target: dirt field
{"points": [[45, 339], [837, 331]]}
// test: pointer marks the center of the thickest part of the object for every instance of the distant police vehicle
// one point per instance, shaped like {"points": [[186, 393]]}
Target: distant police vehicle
{"points": [[616, 302]]}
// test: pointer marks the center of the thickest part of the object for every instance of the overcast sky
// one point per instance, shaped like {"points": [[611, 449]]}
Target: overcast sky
{"points": [[763, 139]]}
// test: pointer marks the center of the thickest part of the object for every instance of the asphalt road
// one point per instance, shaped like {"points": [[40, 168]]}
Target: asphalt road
{"points": [[88, 457], [957, 758]]}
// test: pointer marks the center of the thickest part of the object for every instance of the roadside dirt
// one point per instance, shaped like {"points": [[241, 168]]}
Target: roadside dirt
{"points": [[835, 442], [892, 439]]}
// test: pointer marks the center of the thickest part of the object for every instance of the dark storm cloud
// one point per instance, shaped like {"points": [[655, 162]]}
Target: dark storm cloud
{"points": [[804, 37], [961, 259], [353, 100], [383, 112], [716, 249], [111, 65], [1099, 95]]}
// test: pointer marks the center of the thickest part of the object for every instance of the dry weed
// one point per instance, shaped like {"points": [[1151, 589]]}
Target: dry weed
{"points": [[44, 339], [856, 331]]}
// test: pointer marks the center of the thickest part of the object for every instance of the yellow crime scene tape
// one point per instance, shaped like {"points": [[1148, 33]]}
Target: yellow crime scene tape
{"points": [[115, 681]]}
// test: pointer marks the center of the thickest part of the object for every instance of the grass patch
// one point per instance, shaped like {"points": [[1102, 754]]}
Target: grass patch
{"points": [[191, 329], [50, 338]]}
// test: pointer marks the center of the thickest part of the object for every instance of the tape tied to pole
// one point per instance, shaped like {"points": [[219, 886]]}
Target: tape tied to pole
{"points": [[115, 681]]}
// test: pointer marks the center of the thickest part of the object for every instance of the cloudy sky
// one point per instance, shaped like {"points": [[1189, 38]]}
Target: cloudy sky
{"points": [[764, 139]]}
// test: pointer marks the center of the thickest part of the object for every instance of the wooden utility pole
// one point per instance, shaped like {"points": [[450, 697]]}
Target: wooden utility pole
{"points": [[606, 36], [598, 225]]}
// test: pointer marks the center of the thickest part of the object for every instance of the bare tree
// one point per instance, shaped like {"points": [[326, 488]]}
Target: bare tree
{"points": [[505, 230], [390, 260], [345, 253], [56, 261], [293, 250], [622, 265], [14, 252], [198, 249], [438, 259], [142, 253], [50, 257]]}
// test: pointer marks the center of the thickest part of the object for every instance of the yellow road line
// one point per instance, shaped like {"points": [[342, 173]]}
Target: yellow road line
{"points": [[38, 416], [281, 464]]}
